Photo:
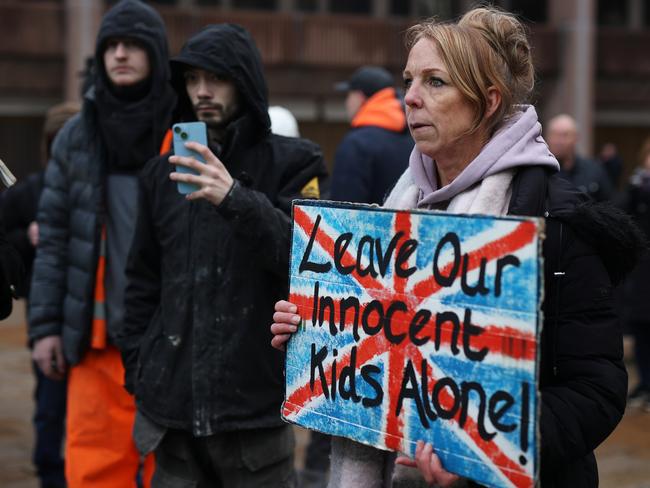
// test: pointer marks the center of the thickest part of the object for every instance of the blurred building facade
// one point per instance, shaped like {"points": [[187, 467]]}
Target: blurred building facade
{"points": [[591, 58]]}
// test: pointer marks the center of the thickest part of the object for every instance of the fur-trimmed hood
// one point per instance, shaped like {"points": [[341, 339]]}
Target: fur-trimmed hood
{"points": [[611, 232]]}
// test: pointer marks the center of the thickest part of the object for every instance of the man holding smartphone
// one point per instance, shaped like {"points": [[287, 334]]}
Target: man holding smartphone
{"points": [[86, 218], [204, 272]]}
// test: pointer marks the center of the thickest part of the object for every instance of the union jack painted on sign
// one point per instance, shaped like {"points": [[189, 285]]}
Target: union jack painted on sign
{"points": [[419, 325]]}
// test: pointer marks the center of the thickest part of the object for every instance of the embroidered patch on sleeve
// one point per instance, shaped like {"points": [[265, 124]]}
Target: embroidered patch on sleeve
{"points": [[311, 189]]}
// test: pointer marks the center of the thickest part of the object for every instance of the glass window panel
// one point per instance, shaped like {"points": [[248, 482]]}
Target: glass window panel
{"points": [[351, 6], [307, 5], [612, 13], [530, 10], [255, 4]]}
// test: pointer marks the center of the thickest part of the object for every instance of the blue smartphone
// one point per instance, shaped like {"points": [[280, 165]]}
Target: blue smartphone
{"points": [[185, 132]]}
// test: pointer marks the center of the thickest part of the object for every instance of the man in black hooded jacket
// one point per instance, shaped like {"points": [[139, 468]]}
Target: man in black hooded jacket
{"points": [[203, 275], [86, 218]]}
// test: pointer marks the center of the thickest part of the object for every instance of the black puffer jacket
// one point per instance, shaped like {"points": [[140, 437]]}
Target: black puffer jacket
{"points": [[18, 207], [71, 210], [583, 381], [11, 274], [203, 279]]}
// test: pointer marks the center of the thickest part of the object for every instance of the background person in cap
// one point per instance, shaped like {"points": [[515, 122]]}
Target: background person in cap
{"points": [[375, 152], [86, 217]]}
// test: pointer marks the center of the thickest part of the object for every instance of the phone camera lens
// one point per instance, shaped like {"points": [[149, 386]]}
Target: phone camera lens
{"points": [[177, 130], [183, 135]]}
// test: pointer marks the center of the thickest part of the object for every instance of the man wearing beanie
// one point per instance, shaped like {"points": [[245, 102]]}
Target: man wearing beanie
{"points": [[204, 272], [86, 218], [376, 150]]}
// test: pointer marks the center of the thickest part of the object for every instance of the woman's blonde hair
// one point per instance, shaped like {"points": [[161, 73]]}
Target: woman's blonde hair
{"points": [[487, 47]]}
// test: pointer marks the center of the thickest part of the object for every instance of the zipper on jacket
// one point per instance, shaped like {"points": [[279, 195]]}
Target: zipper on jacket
{"points": [[558, 275]]}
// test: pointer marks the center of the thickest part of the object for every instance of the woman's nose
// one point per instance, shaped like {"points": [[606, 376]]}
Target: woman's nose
{"points": [[411, 97]]}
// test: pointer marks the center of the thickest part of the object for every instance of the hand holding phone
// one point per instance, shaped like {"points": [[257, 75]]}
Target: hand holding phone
{"points": [[200, 174], [185, 132]]}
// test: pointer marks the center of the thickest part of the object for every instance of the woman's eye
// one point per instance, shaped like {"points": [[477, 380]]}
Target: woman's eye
{"points": [[407, 83], [436, 82]]}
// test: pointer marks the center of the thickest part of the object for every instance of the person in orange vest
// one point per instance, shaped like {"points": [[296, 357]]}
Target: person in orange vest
{"points": [[375, 151], [86, 218]]}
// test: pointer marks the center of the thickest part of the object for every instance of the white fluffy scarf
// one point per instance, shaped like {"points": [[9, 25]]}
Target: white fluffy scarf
{"points": [[489, 197]]}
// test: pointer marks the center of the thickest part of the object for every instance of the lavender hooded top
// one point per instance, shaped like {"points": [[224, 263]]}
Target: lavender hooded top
{"points": [[518, 142]]}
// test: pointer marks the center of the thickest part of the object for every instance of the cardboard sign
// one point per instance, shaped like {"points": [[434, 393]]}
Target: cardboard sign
{"points": [[419, 325]]}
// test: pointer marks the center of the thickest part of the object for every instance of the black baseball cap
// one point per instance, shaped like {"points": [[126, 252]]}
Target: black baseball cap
{"points": [[367, 79]]}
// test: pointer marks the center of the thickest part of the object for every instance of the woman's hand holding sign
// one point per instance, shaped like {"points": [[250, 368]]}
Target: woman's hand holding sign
{"points": [[213, 179], [285, 323], [428, 462]]}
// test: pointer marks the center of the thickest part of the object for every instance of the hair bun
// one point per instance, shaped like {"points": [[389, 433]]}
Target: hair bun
{"points": [[507, 36]]}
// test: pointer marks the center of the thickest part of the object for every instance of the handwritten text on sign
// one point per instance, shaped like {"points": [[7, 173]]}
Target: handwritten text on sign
{"points": [[418, 326]]}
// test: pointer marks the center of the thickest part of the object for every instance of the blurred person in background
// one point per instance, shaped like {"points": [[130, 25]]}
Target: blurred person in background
{"points": [[19, 205], [283, 122], [86, 218], [375, 151], [12, 274], [586, 175], [636, 289], [612, 163]]}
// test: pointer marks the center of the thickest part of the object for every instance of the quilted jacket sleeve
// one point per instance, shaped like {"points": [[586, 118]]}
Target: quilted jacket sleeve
{"points": [[48, 288]]}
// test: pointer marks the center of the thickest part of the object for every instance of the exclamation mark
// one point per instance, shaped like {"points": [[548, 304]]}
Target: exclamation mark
{"points": [[525, 419]]}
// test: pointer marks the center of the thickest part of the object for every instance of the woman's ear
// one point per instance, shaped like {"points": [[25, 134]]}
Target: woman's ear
{"points": [[493, 101]]}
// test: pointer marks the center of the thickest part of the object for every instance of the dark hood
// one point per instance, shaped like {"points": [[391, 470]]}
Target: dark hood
{"points": [[135, 19], [132, 127], [227, 50]]}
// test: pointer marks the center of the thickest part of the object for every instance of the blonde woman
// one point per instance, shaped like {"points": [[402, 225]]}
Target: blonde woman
{"points": [[479, 149]]}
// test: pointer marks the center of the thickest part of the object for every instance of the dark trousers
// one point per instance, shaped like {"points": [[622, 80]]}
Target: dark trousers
{"points": [[261, 458], [318, 452], [49, 429], [641, 331]]}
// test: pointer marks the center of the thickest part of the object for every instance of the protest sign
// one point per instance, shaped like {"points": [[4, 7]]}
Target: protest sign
{"points": [[419, 325]]}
